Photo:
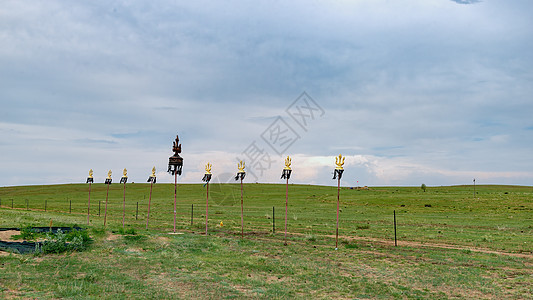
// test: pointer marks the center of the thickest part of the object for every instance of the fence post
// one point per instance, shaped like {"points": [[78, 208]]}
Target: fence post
{"points": [[11, 203], [45, 202], [70, 207], [99, 207], [137, 211], [395, 241], [273, 220], [192, 211]]}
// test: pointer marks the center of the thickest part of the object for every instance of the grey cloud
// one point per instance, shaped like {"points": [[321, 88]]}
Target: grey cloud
{"points": [[434, 87], [466, 1]]}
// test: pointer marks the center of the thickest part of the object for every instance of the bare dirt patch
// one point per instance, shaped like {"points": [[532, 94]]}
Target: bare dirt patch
{"points": [[6, 235], [112, 237]]}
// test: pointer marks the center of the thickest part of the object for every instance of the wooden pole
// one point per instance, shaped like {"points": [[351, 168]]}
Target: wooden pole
{"points": [[206, 206], [106, 196], [175, 193], [137, 211], [286, 207], [242, 212], [124, 206], [149, 203], [338, 200], [89, 204], [192, 213]]}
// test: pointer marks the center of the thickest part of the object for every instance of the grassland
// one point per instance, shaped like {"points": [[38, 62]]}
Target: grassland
{"points": [[451, 244]]}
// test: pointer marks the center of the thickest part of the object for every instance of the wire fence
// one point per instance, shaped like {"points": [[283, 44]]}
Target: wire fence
{"points": [[318, 219], [265, 219]]}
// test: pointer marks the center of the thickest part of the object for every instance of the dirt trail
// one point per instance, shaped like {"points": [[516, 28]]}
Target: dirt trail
{"points": [[432, 245]]}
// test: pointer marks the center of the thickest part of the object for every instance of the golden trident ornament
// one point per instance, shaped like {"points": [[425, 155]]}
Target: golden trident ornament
{"points": [[287, 163], [124, 178], [108, 179], [90, 178], [339, 161], [207, 175], [152, 178], [241, 166], [287, 170]]}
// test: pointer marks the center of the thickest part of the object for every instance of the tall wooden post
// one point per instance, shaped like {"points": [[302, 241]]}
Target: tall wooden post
{"points": [[242, 212], [241, 174], [152, 179], [108, 183], [149, 204], [206, 206], [124, 206], [175, 164], [286, 174], [339, 161], [106, 197], [206, 179], [338, 200], [89, 204], [286, 207], [175, 193]]}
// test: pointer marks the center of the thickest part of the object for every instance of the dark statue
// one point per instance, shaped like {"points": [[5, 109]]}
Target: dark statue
{"points": [[175, 162]]}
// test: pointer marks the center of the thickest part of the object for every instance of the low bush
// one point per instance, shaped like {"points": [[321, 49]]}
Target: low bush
{"points": [[59, 242]]}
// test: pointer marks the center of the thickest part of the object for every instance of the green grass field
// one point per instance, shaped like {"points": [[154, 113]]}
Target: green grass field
{"points": [[450, 243]]}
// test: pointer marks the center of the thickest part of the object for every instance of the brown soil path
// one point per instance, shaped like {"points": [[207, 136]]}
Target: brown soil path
{"points": [[432, 245]]}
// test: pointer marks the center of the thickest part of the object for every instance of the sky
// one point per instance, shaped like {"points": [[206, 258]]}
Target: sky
{"points": [[418, 91]]}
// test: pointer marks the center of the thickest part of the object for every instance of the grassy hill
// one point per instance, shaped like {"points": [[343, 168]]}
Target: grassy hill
{"points": [[452, 243]]}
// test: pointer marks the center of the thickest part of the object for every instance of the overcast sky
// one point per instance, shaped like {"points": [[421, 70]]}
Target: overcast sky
{"points": [[415, 91]]}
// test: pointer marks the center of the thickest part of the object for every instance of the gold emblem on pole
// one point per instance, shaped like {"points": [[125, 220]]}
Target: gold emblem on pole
{"points": [[339, 161]]}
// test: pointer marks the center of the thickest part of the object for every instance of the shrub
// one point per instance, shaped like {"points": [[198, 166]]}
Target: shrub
{"points": [[27, 233], [59, 242]]}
